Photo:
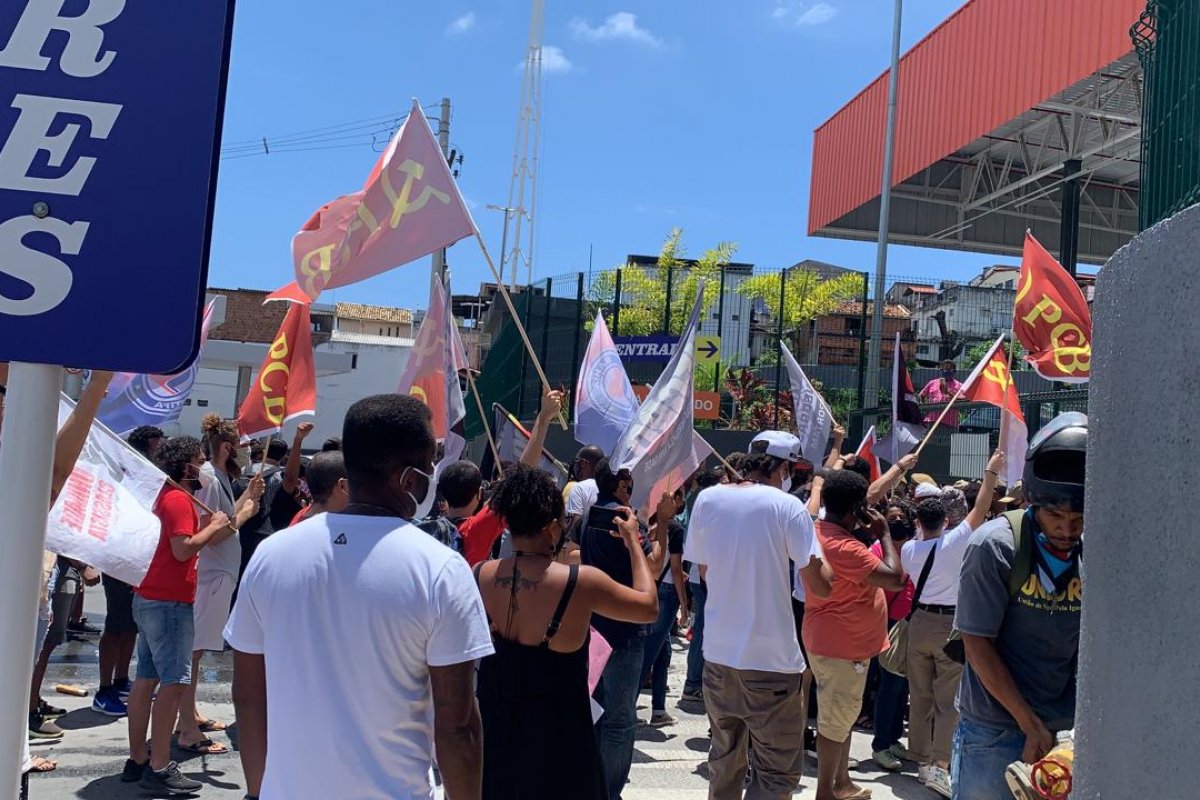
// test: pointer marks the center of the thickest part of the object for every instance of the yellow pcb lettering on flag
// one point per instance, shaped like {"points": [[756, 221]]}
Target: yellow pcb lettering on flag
{"points": [[1072, 350], [275, 404]]}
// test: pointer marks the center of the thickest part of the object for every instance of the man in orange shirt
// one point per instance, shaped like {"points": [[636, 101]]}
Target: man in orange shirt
{"points": [[844, 631]]}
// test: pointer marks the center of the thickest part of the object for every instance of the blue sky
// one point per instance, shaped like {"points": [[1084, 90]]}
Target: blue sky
{"points": [[697, 114]]}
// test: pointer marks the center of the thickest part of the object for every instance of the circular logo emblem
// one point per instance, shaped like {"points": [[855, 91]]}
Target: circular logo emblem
{"points": [[161, 395]]}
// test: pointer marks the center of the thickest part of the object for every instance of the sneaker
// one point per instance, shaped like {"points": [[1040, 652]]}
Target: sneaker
{"points": [[170, 780], [133, 771], [887, 760], [42, 729], [1020, 781], [50, 712], [696, 696], [123, 688], [661, 719], [83, 627], [109, 703], [901, 752], [923, 771], [939, 781]]}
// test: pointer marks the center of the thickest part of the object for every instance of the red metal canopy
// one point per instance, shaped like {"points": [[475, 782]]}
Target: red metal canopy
{"points": [[991, 103]]}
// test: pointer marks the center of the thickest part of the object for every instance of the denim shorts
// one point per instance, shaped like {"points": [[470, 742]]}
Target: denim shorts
{"points": [[981, 754], [165, 634]]}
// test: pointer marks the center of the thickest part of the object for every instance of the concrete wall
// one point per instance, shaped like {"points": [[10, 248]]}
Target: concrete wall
{"points": [[1139, 660]]}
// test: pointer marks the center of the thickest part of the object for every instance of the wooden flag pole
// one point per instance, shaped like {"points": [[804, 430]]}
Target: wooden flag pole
{"points": [[487, 428], [727, 466], [192, 497], [562, 419], [941, 417]]}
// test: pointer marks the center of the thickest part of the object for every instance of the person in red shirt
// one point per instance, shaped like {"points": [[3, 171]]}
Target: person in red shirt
{"points": [[328, 484], [162, 607], [844, 631]]}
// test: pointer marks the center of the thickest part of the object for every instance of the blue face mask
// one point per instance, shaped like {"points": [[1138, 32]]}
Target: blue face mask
{"points": [[948, 374]]}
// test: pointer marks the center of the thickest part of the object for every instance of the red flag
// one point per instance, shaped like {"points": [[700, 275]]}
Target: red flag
{"points": [[431, 374], [409, 207], [1051, 318], [286, 387], [992, 382], [866, 451]]}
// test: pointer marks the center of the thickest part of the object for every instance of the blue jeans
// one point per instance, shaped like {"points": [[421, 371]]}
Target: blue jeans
{"points": [[657, 655], [981, 754], [166, 633], [891, 698], [617, 694], [695, 670]]}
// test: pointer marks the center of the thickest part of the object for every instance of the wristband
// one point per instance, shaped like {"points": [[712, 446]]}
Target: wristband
{"points": [[991, 472]]}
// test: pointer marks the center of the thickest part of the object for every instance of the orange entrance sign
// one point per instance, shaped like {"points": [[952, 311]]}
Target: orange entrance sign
{"points": [[705, 405]]}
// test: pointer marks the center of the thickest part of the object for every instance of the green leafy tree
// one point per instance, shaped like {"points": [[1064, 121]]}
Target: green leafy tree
{"points": [[976, 354], [806, 295], [644, 292]]}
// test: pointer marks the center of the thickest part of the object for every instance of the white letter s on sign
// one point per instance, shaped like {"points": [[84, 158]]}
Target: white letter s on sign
{"points": [[50, 277]]}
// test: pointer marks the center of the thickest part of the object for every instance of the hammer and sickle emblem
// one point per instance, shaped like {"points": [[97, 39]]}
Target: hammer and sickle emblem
{"points": [[419, 393], [402, 202], [997, 372]]}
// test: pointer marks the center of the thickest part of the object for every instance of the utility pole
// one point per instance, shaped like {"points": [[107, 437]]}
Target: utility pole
{"points": [[885, 208], [443, 134]]}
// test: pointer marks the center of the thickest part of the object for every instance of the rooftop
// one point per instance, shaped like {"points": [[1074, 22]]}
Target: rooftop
{"points": [[373, 313], [854, 308]]}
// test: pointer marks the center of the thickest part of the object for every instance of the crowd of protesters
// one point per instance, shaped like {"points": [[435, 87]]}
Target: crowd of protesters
{"points": [[426, 614]]}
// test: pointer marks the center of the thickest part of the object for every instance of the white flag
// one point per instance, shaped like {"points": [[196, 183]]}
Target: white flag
{"points": [[661, 437], [104, 515], [814, 420], [604, 399]]}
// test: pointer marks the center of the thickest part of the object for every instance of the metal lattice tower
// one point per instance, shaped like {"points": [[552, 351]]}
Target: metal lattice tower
{"points": [[521, 211]]}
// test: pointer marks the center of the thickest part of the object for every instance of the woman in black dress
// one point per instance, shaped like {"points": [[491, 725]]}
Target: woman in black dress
{"points": [[533, 692]]}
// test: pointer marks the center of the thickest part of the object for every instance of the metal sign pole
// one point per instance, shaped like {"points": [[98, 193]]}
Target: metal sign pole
{"points": [[26, 461]]}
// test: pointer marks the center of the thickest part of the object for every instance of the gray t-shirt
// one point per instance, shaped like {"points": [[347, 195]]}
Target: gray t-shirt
{"points": [[1036, 633]]}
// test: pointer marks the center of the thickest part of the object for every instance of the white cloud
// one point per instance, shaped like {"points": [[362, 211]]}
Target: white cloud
{"points": [[621, 26], [553, 61], [463, 24], [803, 13]]}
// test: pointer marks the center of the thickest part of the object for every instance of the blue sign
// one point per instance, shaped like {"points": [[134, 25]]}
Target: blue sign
{"points": [[110, 120], [646, 348]]}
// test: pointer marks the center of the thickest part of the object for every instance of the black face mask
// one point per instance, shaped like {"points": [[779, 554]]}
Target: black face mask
{"points": [[900, 530]]}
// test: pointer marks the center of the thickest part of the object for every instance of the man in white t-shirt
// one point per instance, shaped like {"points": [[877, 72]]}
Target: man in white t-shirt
{"points": [[933, 677], [356, 635], [742, 535], [581, 496]]}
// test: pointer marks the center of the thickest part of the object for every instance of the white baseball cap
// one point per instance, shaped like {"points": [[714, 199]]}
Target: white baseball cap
{"points": [[777, 443], [924, 490]]}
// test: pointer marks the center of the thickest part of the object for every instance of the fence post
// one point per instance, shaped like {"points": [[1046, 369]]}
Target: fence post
{"points": [[720, 323], [616, 310], [779, 343], [526, 313], [667, 310], [575, 352], [862, 346]]}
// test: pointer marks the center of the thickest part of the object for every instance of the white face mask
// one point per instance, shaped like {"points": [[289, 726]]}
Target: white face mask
{"points": [[425, 505], [205, 478], [787, 482]]}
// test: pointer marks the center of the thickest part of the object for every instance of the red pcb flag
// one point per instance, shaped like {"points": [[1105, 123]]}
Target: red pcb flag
{"points": [[409, 207], [992, 382], [287, 381], [431, 374], [866, 451], [1051, 318]]}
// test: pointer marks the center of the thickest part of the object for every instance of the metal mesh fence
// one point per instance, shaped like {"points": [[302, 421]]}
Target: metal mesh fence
{"points": [[1167, 39], [821, 313]]}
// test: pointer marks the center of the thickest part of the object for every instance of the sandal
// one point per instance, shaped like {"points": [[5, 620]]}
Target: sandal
{"points": [[39, 764], [204, 747], [212, 726]]}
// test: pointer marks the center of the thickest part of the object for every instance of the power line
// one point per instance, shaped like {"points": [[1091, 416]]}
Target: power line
{"points": [[355, 133]]}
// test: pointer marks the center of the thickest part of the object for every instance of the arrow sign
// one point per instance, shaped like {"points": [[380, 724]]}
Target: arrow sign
{"points": [[708, 347]]}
